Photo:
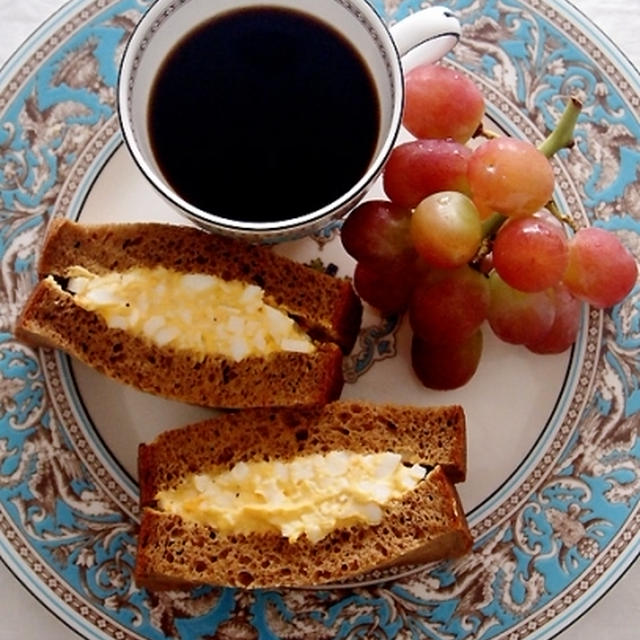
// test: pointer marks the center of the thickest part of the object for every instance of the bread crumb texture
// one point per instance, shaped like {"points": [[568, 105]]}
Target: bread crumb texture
{"points": [[426, 524], [422, 435], [423, 526]]}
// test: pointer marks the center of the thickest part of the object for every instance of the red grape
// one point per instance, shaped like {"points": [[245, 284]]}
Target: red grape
{"points": [[468, 235], [530, 253], [441, 103], [566, 323], [446, 366], [449, 307], [419, 168], [387, 291], [601, 269], [510, 176], [516, 316], [377, 234], [446, 229]]}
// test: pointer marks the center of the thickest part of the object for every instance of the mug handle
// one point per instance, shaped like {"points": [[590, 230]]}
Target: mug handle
{"points": [[435, 30]]}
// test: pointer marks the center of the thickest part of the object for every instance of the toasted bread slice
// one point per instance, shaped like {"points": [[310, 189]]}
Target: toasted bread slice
{"points": [[425, 524], [325, 307]]}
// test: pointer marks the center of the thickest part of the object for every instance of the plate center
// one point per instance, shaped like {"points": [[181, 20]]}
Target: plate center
{"points": [[512, 403]]}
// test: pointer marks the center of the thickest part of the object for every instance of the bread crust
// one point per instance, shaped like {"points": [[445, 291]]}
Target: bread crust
{"points": [[326, 307], [428, 524]]}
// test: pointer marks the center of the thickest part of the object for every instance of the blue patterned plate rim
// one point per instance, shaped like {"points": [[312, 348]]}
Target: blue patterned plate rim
{"points": [[539, 567]]}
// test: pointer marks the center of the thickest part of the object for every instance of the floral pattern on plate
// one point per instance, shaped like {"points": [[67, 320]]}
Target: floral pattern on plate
{"points": [[551, 538]]}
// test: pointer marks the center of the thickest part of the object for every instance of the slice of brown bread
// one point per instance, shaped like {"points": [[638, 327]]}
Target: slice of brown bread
{"points": [[427, 524], [327, 308]]}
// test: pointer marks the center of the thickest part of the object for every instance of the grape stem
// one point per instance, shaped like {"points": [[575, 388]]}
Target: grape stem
{"points": [[483, 132], [555, 211], [490, 227], [560, 138], [491, 224], [562, 135]]}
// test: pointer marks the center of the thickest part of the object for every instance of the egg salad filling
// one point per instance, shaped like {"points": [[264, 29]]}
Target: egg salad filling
{"points": [[202, 313], [310, 495]]}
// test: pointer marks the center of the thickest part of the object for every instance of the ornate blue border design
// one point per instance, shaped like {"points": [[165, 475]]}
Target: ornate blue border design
{"points": [[549, 548]]}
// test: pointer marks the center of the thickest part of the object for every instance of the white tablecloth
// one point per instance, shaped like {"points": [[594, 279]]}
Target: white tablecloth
{"points": [[614, 617]]}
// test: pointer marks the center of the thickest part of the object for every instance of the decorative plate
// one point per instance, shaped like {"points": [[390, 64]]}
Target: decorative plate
{"points": [[554, 474]]}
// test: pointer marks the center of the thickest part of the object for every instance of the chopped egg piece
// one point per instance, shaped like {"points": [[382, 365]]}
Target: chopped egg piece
{"points": [[310, 495], [194, 311]]}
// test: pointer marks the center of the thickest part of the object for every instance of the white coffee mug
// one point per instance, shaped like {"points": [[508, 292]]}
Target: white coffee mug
{"points": [[435, 30]]}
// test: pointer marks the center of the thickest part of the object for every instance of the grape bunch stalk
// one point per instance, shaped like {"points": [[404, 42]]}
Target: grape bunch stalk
{"points": [[470, 233]]}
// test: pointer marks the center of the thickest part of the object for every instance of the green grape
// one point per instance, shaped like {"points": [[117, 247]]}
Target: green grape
{"points": [[446, 229]]}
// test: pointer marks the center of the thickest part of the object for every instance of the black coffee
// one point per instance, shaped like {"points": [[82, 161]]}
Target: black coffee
{"points": [[263, 114]]}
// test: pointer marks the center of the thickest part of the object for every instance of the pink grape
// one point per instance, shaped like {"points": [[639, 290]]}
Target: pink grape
{"points": [[601, 270], [441, 103], [419, 168], [446, 229], [377, 234], [510, 176], [516, 316], [450, 306], [530, 254], [446, 366], [387, 291], [566, 323]]}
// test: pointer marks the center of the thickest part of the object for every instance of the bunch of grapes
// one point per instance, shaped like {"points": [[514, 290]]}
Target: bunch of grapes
{"points": [[469, 233]]}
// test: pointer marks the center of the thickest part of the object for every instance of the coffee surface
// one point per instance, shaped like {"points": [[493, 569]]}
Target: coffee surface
{"points": [[262, 115]]}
